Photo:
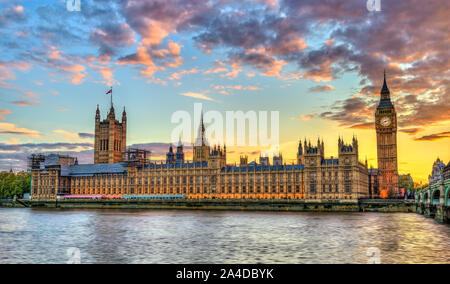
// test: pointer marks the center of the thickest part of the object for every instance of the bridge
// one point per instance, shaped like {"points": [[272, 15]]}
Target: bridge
{"points": [[433, 201]]}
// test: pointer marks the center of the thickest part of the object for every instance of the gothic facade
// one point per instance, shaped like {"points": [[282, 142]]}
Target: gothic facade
{"points": [[110, 137], [313, 177], [386, 129]]}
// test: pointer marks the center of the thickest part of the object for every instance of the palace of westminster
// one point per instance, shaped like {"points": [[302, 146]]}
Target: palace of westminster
{"points": [[120, 171]]}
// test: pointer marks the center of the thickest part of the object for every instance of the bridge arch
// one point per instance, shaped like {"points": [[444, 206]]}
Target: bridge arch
{"points": [[435, 197], [425, 197]]}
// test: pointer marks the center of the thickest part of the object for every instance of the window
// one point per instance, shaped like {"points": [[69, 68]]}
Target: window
{"points": [[312, 188], [348, 188]]}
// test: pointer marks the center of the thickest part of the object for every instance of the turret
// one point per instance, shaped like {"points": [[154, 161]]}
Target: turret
{"points": [[201, 149], [111, 114], [300, 148], [385, 93], [277, 160], [300, 157], [124, 116], [348, 153], [264, 160], [355, 144], [243, 160], [170, 157], [97, 115]]}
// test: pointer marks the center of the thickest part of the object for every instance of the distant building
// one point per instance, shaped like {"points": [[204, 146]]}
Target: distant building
{"points": [[277, 160], [50, 177], [243, 160], [110, 137], [405, 183], [179, 156], [386, 129], [437, 172], [374, 189], [208, 176], [405, 180], [264, 160], [447, 171], [170, 156]]}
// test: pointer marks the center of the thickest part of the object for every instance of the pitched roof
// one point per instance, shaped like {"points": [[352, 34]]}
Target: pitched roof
{"points": [[91, 169]]}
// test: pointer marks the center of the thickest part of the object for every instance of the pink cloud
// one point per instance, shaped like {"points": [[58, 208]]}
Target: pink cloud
{"points": [[2, 112]]}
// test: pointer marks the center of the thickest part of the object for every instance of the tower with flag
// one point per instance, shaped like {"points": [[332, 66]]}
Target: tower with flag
{"points": [[110, 136]]}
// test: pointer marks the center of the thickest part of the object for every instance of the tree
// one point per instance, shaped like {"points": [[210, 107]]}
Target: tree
{"points": [[14, 184]]}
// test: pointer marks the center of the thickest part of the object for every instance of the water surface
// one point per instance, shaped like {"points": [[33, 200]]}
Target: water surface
{"points": [[164, 236]]}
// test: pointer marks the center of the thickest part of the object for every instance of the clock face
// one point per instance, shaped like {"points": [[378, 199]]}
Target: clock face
{"points": [[385, 121]]}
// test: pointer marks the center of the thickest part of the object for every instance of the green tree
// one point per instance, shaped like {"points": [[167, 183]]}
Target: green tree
{"points": [[14, 184]]}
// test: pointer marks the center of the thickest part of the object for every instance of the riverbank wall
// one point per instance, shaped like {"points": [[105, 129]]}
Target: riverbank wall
{"points": [[229, 204]]}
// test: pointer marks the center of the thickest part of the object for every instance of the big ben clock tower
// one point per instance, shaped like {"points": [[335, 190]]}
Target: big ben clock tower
{"points": [[386, 127]]}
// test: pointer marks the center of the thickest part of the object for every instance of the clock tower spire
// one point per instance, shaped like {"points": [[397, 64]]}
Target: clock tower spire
{"points": [[386, 128]]}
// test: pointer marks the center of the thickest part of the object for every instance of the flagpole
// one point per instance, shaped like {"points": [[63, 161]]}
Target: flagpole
{"points": [[111, 98]]}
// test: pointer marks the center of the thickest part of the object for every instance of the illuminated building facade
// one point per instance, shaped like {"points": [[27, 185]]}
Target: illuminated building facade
{"points": [[313, 177], [386, 128]]}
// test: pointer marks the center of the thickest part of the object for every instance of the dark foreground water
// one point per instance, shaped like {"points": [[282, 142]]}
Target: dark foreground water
{"points": [[112, 236]]}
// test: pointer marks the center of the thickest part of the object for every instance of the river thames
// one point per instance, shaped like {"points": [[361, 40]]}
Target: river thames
{"points": [[118, 236]]}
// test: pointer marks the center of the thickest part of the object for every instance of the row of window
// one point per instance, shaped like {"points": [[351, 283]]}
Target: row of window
{"points": [[192, 190], [329, 188], [183, 180]]}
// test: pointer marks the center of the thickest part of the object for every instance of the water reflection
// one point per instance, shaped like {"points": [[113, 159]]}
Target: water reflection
{"points": [[117, 236]]}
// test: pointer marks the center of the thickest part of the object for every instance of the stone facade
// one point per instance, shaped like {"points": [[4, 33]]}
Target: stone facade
{"points": [[110, 138], [313, 177], [433, 200], [386, 128], [437, 172]]}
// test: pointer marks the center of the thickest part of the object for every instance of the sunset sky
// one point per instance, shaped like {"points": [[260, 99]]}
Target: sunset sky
{"points": [[319, 63]]}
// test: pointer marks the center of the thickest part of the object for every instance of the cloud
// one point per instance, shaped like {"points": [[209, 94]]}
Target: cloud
{"points": [[364, 126], [10, 15], [218, 67], [304, 117], [111, 35], [24, 103], [433, 137], [44, 146], [2, 112], [197, 96], [178, 75], [288, 39], [66, 134], [266, 63], [12, 129], [59, 63], [321, 88], [86, 135], [410, 131], [7, 71], [353, 112], [236, 87], [150, 59]]}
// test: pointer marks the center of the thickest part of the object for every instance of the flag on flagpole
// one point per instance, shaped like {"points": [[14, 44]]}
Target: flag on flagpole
{"points": [[109, 92]]}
